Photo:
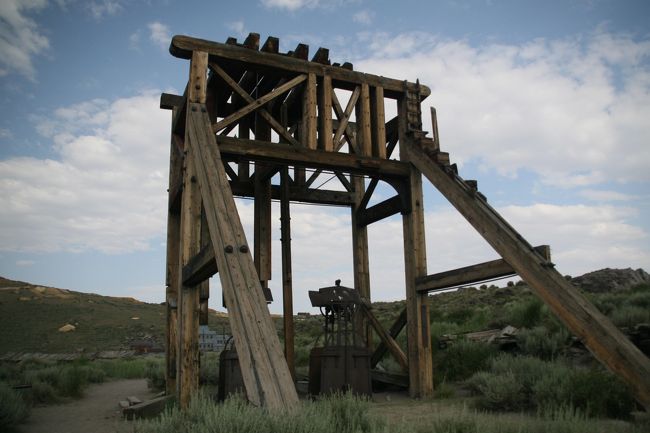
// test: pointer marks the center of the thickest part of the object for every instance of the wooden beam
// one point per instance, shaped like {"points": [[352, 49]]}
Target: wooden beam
{"points": [[472, 274], [325, 141], [170, 101], [264, 370], [298, 194], [378, 212], [595, 330], [196, 91], [344, 117], [287, 276], [258, 103], [385, 337], [204, 286], [378, 122], [360, 256], [395, 329], [200, 267], [308, 126], [182, 47], [364, 136], [282, 154], [415, 266]]}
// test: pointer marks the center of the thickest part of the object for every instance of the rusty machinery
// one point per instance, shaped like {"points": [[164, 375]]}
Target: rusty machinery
{"points": [[343, 362]]}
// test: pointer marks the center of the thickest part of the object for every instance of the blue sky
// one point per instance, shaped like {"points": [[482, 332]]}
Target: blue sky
{"points": [[546, 104]]}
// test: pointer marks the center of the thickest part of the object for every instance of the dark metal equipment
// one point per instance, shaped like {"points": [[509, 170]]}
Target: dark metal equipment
{"points": [[230, 377], [343, 362]]}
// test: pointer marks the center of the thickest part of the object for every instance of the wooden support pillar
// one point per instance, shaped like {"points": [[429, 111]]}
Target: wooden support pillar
{"points": [[172, 270], [361, 265], [187, 375], [415, 266], [262, 210], [204, 287], [308, 127], [378, 122], [325, 137], [364, 137], [287, 278]]}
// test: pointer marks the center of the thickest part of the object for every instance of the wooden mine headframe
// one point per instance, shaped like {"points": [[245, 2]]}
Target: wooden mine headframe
{"points": [[249, 106]]}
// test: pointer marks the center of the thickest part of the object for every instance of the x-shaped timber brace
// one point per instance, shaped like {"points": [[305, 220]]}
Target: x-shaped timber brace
{"points": [[249, 106]]}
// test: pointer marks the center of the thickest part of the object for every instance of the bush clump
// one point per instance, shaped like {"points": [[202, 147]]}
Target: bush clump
{"points": [[13, 409], [462, 359]]}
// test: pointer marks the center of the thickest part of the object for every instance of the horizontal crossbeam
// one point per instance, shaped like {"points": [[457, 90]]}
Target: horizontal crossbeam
{"points": [[200, 267], [472, 274]]}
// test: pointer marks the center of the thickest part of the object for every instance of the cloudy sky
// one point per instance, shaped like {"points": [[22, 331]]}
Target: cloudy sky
{"points": [[546, 104]]}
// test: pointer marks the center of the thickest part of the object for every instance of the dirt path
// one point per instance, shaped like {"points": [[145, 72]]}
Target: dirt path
{"points": [[96, 412]]}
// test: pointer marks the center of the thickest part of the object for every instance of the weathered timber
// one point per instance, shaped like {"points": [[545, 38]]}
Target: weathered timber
{"points": [[200, 267], [170, 101], [378, 122], [393, 331], [415, 266], [266, 375], [595, 330], [204, 286], [378, 212], [343, 118], [282, 154], [298, 194], [364, 136], [308, 128], [360, 256], [182, 47], [325, 126], [472, 274], [387, 340], [287, 276]]}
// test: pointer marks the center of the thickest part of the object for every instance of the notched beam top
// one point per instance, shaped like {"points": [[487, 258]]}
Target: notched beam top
{"points": [[269, 57]]}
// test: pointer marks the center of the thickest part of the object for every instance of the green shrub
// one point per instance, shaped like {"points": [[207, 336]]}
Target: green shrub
{"points": [[43, 393], [518, 383], [541, 342], [71, 381], [462, 359], [525, 314], [155, 374], [628, 316], [13, 409]]}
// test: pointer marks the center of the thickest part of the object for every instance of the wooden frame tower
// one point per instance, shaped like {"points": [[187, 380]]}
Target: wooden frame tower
{"points": [[254, 122]]}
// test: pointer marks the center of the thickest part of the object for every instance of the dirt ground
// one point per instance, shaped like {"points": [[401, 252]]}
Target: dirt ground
{"points": [[97, 412]]}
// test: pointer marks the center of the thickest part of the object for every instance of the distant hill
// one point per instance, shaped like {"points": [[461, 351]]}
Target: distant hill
{"points": [[31, 315]]}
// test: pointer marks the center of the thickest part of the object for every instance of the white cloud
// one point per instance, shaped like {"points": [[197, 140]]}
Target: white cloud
{"points": [[364, 17], [100, 9], [606, 195], [237, 27], [20, 37], [572, 111], [5, 133], [290, 5], [104, 192], [134, 40], [159, 34]]}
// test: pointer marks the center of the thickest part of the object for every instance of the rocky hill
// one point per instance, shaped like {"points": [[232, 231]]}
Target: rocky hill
{"points": [[611, 280]]}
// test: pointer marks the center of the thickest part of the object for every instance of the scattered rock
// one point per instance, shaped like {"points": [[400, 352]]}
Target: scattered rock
{"points": [[67, 328], [24, 298], [611, 280]]}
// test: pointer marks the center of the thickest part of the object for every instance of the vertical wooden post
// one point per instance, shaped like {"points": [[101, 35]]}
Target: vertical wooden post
{"points": [[364, 135], [172, 269], [204, 287], [361, 265], [308, 129], [262, 211], [378, 122], [415, 265], [325, 114], [187, 376], [287, 277]]}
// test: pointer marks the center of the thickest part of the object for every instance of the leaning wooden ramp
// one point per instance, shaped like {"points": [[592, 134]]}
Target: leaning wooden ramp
{"points": [[265, 372], [596, 331]]}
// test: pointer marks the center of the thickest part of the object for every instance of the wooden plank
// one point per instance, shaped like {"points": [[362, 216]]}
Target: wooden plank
{"points": [[325, 141], [258, 103], [170, 101], [172, 271], [393, 331], [198, 77], [200, 267], [595, 330], [265, 373], [287, 275], [282, 154], [378, 122], [472, 274], [262, 211], [298, 194], [415, 266], [364, 136], [434, 127], [182, 47], [360, 257], [204, 286], [386, 338], [378, 212], [308, 127]]}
